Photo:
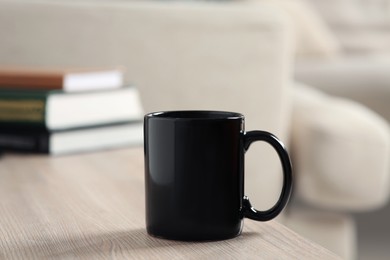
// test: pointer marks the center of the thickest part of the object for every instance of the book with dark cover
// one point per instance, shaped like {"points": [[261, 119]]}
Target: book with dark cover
{"points": [[41, 140]]}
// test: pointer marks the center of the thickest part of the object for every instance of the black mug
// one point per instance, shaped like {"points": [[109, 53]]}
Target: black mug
{"points": [[194, 174]]}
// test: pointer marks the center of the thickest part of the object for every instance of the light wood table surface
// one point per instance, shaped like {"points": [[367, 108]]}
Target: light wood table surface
{"points": [[91, 206]]}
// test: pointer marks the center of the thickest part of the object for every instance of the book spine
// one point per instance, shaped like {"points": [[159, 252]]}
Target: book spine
{"points": [[38, 143], [31, 81], [17, 108]]}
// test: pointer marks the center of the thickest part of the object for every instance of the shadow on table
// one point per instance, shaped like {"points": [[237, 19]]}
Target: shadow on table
{"points": [[111, 244]]}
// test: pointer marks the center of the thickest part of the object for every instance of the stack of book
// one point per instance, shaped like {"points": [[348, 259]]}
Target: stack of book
{"points": [[66, 111]]}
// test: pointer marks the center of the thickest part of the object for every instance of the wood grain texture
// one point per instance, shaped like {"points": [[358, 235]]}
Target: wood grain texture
{"points": [[91, 206]]}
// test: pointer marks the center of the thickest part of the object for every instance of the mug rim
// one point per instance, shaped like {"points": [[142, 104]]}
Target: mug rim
{"points": [[195, 115]]}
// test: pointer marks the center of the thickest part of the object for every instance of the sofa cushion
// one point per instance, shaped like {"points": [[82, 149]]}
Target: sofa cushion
{"points": [[312, 35]]}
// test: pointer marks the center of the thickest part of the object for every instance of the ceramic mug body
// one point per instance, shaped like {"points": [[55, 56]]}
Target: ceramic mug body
{"points": [[194, 174]]}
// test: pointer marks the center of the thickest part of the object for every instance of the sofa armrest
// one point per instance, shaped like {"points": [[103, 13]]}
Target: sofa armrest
{"points": [[341, 152]]}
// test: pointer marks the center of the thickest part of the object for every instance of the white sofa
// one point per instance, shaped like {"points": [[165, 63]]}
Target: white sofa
{"points": [[228, 56], [358, 70]]}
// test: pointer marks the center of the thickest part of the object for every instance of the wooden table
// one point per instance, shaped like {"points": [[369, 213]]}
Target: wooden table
{"points": [[91, 206]]}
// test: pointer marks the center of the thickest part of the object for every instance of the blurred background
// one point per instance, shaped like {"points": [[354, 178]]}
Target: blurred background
{"points": [[314, 72]]}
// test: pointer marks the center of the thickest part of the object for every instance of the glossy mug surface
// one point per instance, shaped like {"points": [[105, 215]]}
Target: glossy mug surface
{"points": [[194, 174]]}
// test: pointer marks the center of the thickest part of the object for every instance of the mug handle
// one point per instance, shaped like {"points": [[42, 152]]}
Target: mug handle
{"points": [[247, 209]]}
